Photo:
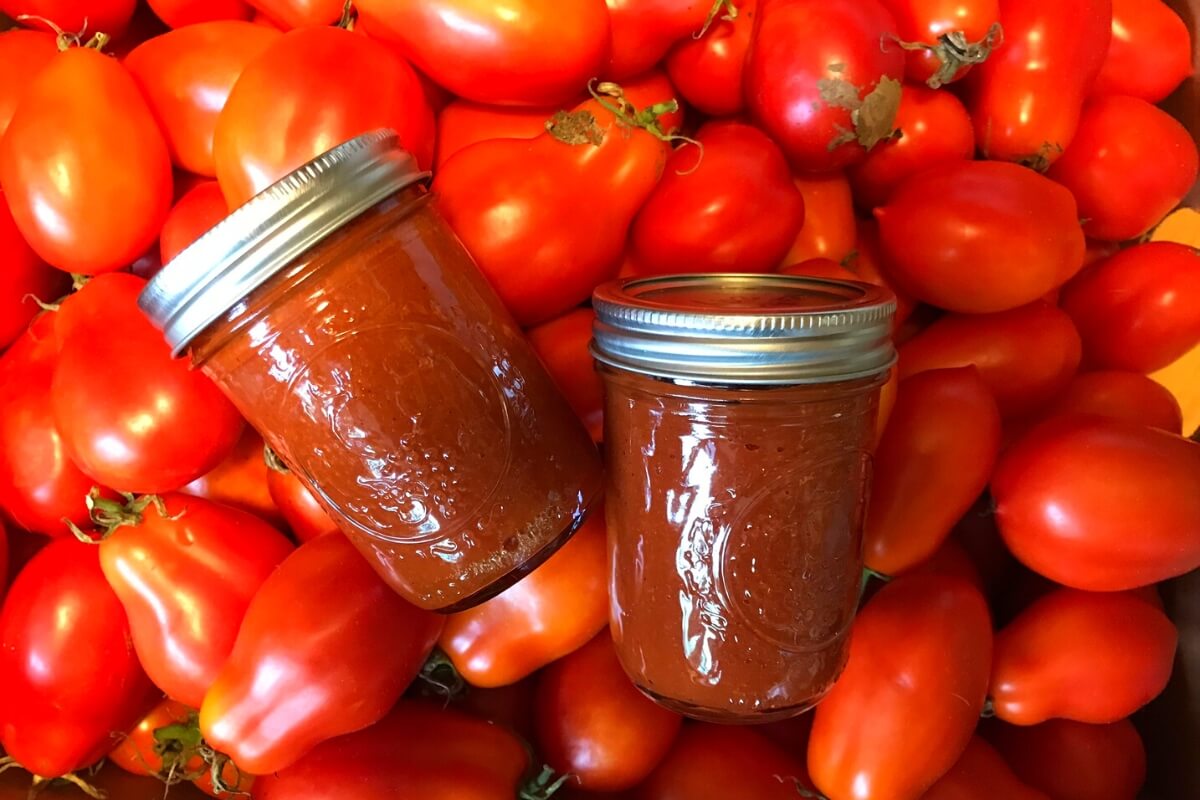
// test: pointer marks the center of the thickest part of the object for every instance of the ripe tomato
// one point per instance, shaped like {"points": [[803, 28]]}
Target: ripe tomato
{"points": [[463, 123], [868, 262], [717, 762], [515, 203], [934, 459], [1088, 656], [951, 560], [241, 481], [70, 676], [310, 83], [200, 208], [562, 344], [1069, 492], [74, 16], [84, 167], [934, 127], [1139, 309], [980, 236], [1129, 164], [981, 774], [1026, 98], [417, 750], [945, 38], [919, 657], [1075, 761], [829, 223], [23, 278], [187, 75], [1026, 356], [820, 268], [594, 724], [521, 52], [156, 427], [25, 53], [1150, 53], [822, 80], [510, 706], [325, 649], [643, 31], [553, 611], [290, 14], [181, 13], [727, 206], [185, 569], [300, 509], [1129, 396], [708, 70]]}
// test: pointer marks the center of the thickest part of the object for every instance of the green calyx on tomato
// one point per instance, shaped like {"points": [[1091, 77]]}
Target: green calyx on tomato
{"points": [[108, 515], [731, 13], [543, 785], [612, 97], [954, 52], [180, 743], [66, 41]]}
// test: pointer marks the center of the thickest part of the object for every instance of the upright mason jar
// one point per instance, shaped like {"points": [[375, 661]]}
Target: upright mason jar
{"points": [[352, 329], [739, 416]]}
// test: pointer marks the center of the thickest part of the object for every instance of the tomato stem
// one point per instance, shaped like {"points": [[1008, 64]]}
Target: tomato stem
{"points": [[273, 460], [731, 13], [42, 304], [544, 785], [40, 783], [348, 17], [954, 52], [612, 98], [440, 675]]}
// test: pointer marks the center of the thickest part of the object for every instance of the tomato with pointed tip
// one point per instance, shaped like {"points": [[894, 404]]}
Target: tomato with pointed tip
{"points": [[718, 762], [1150, 53], [71, 678], [981, 774], [822, 80], [73, 16], [708, 69], [187, 75], [563, 346], [463, 123], [1129, 396], [83, 165], [1071, 760], [520, 52], [322, 86], [829, 223], [24, 280], [21, 52], [304, 515], [200, 208]]}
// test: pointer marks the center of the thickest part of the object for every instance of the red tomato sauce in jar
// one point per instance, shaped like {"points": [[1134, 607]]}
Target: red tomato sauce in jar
{"points": [[353, 330], [739, 417]]}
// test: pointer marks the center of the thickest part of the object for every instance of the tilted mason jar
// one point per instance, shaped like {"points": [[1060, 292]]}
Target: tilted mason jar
{"points": [[352, 329], [739, 416]]}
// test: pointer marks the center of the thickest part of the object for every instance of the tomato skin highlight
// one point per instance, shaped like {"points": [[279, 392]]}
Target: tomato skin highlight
{"points": [[1069, 492], [1073, 760], [85, 169], [1150, 53], [920, 652], [1088, 656], [708, 71]]}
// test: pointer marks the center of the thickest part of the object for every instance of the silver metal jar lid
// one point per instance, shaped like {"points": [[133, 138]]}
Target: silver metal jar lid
{"points": [[272, 229], [745, 329]]}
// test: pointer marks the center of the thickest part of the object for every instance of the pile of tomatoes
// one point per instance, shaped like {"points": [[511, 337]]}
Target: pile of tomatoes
{"points": [[180, 606]]}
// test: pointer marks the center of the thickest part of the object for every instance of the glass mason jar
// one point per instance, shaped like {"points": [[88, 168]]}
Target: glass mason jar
{"points": [[352, 329], [739, 415]]}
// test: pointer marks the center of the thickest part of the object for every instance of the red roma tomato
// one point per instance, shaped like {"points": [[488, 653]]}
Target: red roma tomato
{"points": [[521, 52], [187, 75], [951, 560], [823, 79], [1150, 53], [515, 203], [919, 657], [185, 575], [717, 762], [1088, 656], [23, 277], [300, 13], [463, 123], [935, 458], [74, 16], [562, 344], [202, 207], [157, 427], [241, 481], [1139, 309], [981, 774], [1026, 356], [300, 509], [1075, 761], [820, 268], [70, 676], [980, 236], [1129, 164], [181, 13], [829, 223], [593, 723], [1130, 396], [644, 30], [418, 750], [934, 128], [867, 260], [708, 70], [553, 611], [727, 206], [1069, 493], [945, 38], [325, 649], [21, 53], [1026, 98], [312, 83], [84, 167]]}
